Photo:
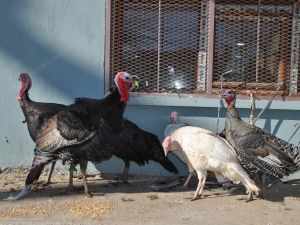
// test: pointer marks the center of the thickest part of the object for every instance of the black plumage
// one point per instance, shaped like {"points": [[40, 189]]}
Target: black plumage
{"points": [[85, 130], [257, 149], [36, 113], [140, 146]]}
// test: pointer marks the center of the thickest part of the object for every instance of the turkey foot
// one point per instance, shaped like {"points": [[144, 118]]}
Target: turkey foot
{"points": [[197, 197], [249, 198]]}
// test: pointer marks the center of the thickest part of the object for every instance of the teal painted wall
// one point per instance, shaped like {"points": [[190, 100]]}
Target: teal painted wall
{"points": [[60, 43]]}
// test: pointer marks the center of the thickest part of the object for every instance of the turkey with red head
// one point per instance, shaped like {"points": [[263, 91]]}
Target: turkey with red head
{"points": [[36, 113], [87, 130], [258, 150]]}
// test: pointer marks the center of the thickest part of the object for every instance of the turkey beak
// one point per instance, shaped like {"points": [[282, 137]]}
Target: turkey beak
{"points": [[133, 82], [134, 77]]}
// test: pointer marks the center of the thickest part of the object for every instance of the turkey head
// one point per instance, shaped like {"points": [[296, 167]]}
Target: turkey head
{"points": [[124, 82], [230, 98]]}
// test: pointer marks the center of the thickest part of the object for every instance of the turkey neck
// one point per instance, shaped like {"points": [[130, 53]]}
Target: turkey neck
{"points": [[108, 110], [232, 120], [27, 106], [232, 113], [112, 100], [26, 101]]}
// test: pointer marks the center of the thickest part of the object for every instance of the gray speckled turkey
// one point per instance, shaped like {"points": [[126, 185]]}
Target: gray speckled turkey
{"points": [[257, 149]]}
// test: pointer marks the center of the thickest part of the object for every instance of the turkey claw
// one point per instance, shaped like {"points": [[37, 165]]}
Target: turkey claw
{"points": [[195, 198]]}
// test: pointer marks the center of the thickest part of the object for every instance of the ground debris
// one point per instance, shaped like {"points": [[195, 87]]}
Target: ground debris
{"points": [[152, 197], [19, 211], [92, 211], [124, 199], [14, 189], [81, 208]]}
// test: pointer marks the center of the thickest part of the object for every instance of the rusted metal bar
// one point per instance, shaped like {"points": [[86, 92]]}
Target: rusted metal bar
{"points": [[159, 43], [295, 50], [210, 45], [257, 43], [107, 57]]}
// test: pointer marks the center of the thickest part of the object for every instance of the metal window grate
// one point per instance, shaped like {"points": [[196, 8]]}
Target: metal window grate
{"points": [[254, 39], [165, 43], [161, 42]]}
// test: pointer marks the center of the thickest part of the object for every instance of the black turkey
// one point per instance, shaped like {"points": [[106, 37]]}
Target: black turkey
{"points": [[36, 113], [84, 131], [140, 146]]}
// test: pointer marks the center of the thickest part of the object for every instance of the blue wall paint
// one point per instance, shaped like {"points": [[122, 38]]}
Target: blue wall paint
{"points": [[155, 118], [60, 43]]}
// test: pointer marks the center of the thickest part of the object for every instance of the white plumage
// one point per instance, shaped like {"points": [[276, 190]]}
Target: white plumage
{"points": [[204, 151], [173, 126]]}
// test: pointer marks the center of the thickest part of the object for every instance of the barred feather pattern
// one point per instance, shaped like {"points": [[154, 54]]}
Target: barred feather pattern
{"points": [[254, 165], [36, 113], [50, 137], [40, 160], [292, 151], [259, 150]]}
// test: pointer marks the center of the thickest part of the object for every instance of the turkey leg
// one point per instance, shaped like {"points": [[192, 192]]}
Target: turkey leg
{"points": [[125, 172], [83, 166], [199, 191], [71, 176], [187, 180], [51, 172]]}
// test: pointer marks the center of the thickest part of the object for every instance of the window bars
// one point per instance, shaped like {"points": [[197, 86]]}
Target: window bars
{"points": [[254, 39], [166, 43], [162, 41]]}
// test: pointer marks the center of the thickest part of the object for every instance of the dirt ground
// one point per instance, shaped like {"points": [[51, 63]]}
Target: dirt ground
{"points": [[137, 203]]}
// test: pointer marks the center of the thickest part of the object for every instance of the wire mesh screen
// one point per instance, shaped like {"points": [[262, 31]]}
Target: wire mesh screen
{"points": [[253, 38], [161, 42], [164, 42]]}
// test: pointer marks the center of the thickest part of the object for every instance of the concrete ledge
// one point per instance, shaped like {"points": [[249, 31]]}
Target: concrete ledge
{"points": [[205, 102]]}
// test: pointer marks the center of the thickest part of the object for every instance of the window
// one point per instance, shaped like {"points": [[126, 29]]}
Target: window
{"points": [[254, 39], [165, 42]]}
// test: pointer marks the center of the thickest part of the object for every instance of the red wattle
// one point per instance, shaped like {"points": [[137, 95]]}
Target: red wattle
{"points": [[123, 89], [21, 92]]}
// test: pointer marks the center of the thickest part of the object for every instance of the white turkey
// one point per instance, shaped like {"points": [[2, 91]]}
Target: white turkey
{"points": [[173, 126], [204, 151], [258, 150]]}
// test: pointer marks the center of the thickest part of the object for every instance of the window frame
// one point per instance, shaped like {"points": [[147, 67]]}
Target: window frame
{"points": [[208, 94]]}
